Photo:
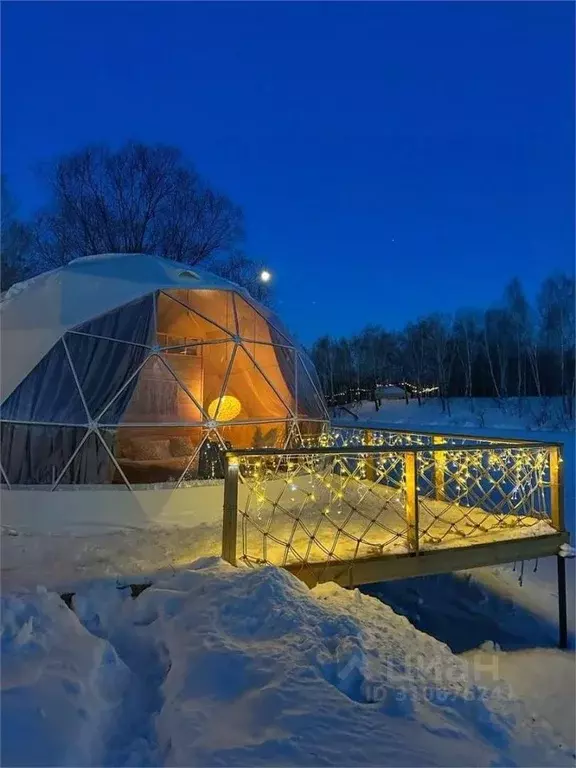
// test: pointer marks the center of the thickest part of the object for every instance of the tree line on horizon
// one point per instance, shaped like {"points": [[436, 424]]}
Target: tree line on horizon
{"points": [[514, 349], [138, 198]]}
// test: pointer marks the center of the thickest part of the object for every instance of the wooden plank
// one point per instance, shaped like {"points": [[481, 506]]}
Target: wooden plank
{"points": [[411, 490], [370, 465], [557, 487], [439, 458], [427, 562], [230, 516]]}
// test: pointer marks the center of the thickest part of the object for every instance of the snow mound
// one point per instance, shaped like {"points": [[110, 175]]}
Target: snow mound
{"points": [[243, 667], [61, 686]]}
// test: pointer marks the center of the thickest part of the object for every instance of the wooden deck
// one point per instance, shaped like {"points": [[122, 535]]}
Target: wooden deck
{"points": [[316, 541], [357, 515], [446, 560]]}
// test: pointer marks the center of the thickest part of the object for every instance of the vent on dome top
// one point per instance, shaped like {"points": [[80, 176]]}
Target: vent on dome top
{"points": [[187, 273]]}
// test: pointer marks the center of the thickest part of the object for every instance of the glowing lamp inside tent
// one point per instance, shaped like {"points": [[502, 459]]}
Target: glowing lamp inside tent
{"points": [[226, 408]]}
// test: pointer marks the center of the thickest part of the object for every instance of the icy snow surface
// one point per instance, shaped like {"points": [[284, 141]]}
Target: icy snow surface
{"points": [[241, 667]]}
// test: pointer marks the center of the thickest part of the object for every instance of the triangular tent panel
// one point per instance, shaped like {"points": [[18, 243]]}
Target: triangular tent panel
{"points": [[34, 454], [92, 463], [178, 325], [156, 396], [48, 395], [103, 368], [215, 306], [216, 368], [277, 365], [253, 396], [310, 403], [132, 323], [253, 326]]}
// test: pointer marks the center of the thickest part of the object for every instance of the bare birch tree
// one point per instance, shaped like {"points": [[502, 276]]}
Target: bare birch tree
{"points": [[467, 337]]}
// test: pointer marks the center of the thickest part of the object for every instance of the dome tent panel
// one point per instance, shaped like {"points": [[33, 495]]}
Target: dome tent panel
{"points": [[93, 463], [157, 397], [179, 325], [105, 371], [44, 455], [312, 374], [213, 306], [310, 403], [49, 394], [132, 323], [252, 325], [278, 366], [308, 432], [278, 331], [217, 360], [248, 384], [35, 315], [207, 461]]}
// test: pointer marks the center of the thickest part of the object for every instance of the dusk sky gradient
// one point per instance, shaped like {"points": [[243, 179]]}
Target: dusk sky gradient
{"points": [[392, 159]]}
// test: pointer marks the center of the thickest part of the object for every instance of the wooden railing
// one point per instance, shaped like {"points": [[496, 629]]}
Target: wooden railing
{"points": [[323, 505]]}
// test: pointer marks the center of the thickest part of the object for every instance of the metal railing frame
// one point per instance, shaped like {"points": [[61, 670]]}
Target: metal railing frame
{"points": [[410, 453], [375, 428]]}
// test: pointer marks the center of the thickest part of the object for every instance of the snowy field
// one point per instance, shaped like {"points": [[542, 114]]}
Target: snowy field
{"points": [[220, 666], [529, 414], [223, 666]]}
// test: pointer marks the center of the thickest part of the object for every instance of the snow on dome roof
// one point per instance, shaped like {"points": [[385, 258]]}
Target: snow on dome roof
{"points": [[35, 314]]}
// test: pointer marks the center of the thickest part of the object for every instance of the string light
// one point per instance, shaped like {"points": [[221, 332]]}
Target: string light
{"points": [[486, 489]]}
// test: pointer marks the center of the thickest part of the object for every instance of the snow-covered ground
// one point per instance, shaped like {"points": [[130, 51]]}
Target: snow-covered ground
{"points": [[220, 666], [527, 414], [237, 667]]}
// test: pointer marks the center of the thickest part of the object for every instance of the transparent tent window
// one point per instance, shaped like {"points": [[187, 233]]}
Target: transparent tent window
{"points": [[154, 392]]}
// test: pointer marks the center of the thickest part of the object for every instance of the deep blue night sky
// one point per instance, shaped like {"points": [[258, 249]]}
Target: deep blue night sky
{"points": [[392, 159]]}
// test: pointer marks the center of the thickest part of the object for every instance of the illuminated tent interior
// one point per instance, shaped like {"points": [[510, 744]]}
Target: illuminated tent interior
{"points": [[135, 369]]}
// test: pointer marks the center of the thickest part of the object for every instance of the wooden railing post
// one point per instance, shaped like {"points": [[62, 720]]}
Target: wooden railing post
{"points": [[230, 516], [439, 459], [411, 480], [368, 439], [557, 487]]}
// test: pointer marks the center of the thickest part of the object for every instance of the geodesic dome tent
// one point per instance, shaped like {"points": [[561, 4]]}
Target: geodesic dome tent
{"points": [[136, 369]]}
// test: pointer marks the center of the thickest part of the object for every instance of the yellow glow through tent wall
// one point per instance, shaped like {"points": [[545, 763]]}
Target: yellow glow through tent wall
{"points": [[135, 369]]}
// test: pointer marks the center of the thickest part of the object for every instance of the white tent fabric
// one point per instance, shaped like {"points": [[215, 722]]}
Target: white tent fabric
{"points": [[34, 315]]}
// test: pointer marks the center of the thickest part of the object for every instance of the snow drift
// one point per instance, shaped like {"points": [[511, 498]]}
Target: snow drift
{"points": [[61, 686], [225, 666]]}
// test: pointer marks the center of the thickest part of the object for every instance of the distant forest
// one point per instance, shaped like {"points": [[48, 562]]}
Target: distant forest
{"points": [[511, 350]]}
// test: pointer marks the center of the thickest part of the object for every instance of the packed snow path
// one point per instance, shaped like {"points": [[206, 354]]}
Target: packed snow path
{"points": [[223, 666]]}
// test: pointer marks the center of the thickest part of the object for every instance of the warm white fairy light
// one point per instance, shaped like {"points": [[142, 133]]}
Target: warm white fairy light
{"points": [[517, 475]]}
